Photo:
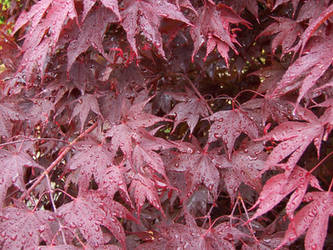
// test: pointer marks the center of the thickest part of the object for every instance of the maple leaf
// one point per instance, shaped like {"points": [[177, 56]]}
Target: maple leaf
{"points": [[91, 34], [145, 17], [143, 188], [86, 103], [8, 112], [189, 110], [133, 118], [144, 153], [110, 4], [89, 211], [313, 218], [279, 186], [200, 166], [213, 24], [240, 5], [185, 4], [228, 125], [95, 160], [190, 236], [294, 138], [23, 229], [245, 167], [286, 30], [316, 61], [313, 27], [36, 49], [279, 2], [12, 170]]}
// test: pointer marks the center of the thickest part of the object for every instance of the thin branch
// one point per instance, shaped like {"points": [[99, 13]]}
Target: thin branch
{"points": [[32, 139], [59, 158]]}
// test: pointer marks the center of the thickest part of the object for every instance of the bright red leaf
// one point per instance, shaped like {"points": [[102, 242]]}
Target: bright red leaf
{"points": [[23, 229], [228, 125], [144, 17], [213, 25]]}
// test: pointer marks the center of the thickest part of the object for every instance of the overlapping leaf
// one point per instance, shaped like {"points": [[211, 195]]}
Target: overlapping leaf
{"points": [[294, 138], [86, 103], [213, 25], [46, 17], [189, 110], [245, 167], [316, 61], [312, 218], [286, 30], [22, 228], [12, 170], [91, 34], [228, 125], [88, 212], [144, 17], [279, 186]]}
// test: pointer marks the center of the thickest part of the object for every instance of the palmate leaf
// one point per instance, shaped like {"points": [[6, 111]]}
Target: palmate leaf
{"points": [[86, 103], [312, 218], [89, 211], [286, 30], [191, 236], [294, 138], [213, 24], [91, 34], [189, 110], [93, 160], [12, 170], [316, 61], [110, 4], [46, 21], [145, 17], [245, 167], [200, 167], [279, 186], [228, 125], [24, 229]]}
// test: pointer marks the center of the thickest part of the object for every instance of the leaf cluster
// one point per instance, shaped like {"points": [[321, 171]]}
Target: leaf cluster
{"points": [[166, 124]]}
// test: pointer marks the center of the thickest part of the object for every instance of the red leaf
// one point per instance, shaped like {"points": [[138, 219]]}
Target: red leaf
{"points": [[88, 212], [245, 167], [295, 138], [286, 30], [213, 25], [228, 125], [200, 167], [189, 110], [145, 17], [35, 47], [24, 229], [8, 112], [279, 186], [316, 61], [12, 170], [86, 103], [110, 4], [313, 218], [91, 34], [143, 188], [314, 25]]}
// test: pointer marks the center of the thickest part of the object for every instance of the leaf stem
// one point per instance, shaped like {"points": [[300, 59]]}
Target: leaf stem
{"points": [[59, 158], [321, 161]]}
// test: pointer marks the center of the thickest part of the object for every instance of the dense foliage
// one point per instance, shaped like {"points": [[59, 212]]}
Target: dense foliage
{"points": [[166, 124]]}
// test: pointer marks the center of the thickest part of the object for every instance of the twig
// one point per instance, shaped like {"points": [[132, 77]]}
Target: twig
{"points": [[32, 139], [59, 158]]}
